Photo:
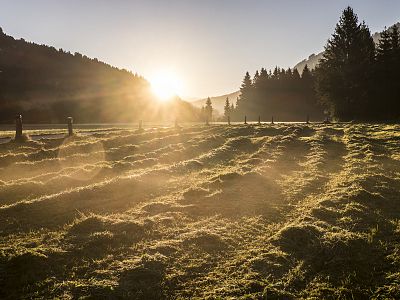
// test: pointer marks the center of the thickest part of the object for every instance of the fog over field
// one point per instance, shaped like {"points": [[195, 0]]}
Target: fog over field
{"points": [[170, 150], [279, 211]]}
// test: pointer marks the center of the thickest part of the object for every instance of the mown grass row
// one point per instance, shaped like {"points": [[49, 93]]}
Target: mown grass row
{"points": [[214, 212]]}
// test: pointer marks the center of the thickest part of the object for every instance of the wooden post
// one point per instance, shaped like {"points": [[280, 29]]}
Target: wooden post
{"points": [[272, 120], [69, 124], [308, 119], [245, 120], [229, 120], [259, 120], [18, 127]]}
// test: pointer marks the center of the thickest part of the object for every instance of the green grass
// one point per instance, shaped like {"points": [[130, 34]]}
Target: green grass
{"points": [[205, 212]]}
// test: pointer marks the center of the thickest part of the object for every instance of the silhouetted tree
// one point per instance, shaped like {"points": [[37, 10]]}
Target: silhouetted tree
{"points": [[296, 74], [384, 48], [395, 38], [306, 74], [344, 70], [227, 108], [208, 109], [245, 92], [386, 76]]}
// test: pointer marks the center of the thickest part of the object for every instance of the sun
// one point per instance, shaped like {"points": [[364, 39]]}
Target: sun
{"points": [[165, 85]]}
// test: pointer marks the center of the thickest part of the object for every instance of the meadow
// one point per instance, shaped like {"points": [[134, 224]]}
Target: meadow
{"points": [[283, 211]]}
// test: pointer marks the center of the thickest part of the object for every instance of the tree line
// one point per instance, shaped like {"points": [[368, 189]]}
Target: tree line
{"points": [[354, 80], [284, 94]]}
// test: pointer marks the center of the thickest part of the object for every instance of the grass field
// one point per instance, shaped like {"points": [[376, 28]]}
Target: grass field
{"points": [[276, 211]]}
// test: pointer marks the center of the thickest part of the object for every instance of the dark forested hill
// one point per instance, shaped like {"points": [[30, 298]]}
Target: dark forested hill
{"points": [[47, 85]]}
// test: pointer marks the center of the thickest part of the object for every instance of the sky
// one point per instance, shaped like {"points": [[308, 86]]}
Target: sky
{"points": [[207, 44]]}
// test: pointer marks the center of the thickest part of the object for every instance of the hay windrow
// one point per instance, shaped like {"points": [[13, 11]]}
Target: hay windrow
{"points": [[275, 211]]}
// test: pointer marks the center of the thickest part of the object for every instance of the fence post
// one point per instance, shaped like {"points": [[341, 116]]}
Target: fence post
{"points": [[229, 120], [18, 127], [308, 119], [245, 119], [69, 123], [272, 120], [259, 120]]}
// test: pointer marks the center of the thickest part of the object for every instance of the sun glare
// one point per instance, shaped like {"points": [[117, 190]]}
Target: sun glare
{"points": [[166, 85]]}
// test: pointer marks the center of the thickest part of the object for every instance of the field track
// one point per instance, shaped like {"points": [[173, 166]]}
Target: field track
{"points": [[280, 211]]}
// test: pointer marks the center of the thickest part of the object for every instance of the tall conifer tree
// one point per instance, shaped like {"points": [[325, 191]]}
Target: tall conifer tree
{"points": [[344, 71], [227, 108], [208, 109], [245, 92]]}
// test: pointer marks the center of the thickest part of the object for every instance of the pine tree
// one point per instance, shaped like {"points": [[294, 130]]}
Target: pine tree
{"points": [[227, 108], [296, 74], [262, 84], [245, 92], [263, 74], [396, 66], [256, 78], [386, 75], [237, 101], [307, 80], [395, 43], [384, 48], [344, 72], [306, 74], [394, 38], [276, 72], [208, 109]]}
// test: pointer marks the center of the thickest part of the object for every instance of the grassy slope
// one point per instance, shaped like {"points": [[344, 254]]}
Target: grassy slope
{"points": [[282, 211]]}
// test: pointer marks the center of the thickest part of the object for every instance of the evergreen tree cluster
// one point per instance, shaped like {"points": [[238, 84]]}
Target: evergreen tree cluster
{"points": [[354, 80], [357, 80], [285, 94], [386, 75]]}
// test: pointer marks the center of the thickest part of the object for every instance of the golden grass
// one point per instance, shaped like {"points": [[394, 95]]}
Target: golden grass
{"points": [[276, 211]]}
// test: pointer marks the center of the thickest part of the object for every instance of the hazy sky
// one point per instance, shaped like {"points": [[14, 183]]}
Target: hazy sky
{"points": [[210, 44]]}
